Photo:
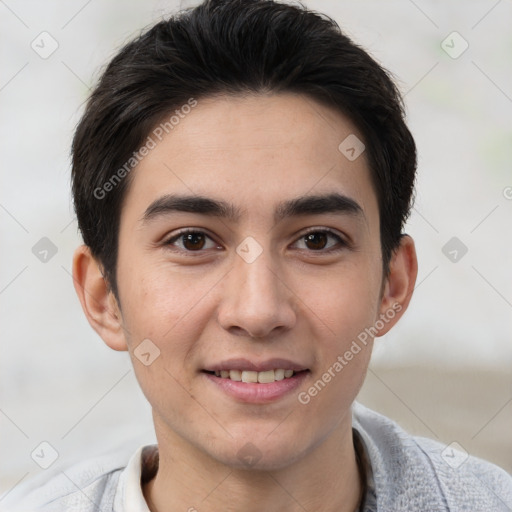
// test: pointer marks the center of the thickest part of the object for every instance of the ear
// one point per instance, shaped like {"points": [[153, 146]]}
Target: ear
{"points": [[399, 284], [98, 302]]}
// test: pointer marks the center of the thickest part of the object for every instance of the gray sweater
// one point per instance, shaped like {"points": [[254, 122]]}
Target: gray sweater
{"points": [[405, 474]]}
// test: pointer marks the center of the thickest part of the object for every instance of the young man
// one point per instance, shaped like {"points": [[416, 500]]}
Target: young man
{"points": [[241, 177]]}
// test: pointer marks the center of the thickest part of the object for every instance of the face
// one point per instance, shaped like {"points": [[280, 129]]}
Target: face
{"points": [[263, 279]]}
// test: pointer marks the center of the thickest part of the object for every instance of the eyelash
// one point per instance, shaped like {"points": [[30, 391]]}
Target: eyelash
{"points": [[342, 244]]}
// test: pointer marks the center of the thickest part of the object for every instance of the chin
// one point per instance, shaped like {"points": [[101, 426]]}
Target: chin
{"points": [[258, 454]]}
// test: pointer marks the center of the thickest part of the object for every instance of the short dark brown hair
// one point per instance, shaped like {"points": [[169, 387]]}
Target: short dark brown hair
{"points": [[234, 47]]}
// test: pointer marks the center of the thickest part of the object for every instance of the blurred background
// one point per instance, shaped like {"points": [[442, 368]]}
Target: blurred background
{"points": [[445, 371]]}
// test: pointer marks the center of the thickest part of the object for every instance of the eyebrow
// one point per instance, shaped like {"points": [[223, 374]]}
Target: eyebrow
{"points": [[304, 205]]}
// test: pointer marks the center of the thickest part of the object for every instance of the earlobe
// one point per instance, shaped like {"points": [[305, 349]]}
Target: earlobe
{"points": [[98, 302], [399, 285]]}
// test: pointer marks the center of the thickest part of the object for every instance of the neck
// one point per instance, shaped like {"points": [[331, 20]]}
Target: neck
{"points": [[326, 479]]}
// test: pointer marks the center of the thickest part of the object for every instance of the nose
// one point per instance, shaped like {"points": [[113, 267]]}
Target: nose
{"points": [[256, 302]]}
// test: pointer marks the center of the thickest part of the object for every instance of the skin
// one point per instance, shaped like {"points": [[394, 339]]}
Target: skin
{"points": [[294, 301]]}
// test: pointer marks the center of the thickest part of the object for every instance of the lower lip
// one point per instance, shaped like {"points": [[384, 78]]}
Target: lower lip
{"points": [[252, 392]]}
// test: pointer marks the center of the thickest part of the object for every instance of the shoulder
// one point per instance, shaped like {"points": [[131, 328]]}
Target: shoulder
{"points": [[416, 473], [464, 478], [87, 486]]}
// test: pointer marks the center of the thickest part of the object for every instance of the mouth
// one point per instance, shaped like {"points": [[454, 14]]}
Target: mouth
{"points": [[250, 376], [256, 381], [253, 382]]}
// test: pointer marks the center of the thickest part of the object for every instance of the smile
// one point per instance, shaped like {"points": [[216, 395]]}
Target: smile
{"points": [[248, 376], [254, 387]]}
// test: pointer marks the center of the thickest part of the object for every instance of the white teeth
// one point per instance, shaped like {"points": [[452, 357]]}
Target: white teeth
{"points": [[248, 376], [252, 376], [279, 374], [264, 377], [235, 375]]}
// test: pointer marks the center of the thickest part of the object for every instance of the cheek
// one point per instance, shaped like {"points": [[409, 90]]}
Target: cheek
{"points": [[156, 299], [344, 302], [343, 311], [168, 309], [172, 309]]}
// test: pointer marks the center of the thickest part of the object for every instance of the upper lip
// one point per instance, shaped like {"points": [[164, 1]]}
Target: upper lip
{"points": [[256, 366]]}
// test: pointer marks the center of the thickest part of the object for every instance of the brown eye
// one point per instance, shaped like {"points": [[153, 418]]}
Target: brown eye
{"points": [[191, 241], [321, 240], [316, 241]]}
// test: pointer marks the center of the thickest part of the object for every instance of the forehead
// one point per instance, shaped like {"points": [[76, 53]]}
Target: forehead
{"points": [[253, 152]]}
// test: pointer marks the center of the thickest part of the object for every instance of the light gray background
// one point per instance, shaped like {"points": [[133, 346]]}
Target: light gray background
{"points": [[443, 372]]}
